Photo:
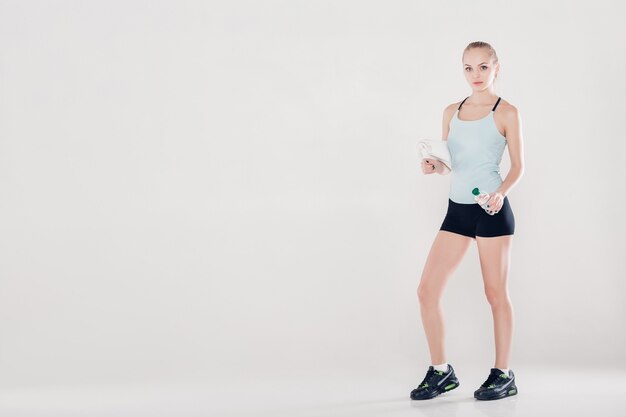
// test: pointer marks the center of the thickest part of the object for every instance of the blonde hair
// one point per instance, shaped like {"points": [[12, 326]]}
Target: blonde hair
{"points": [[479, 44]]}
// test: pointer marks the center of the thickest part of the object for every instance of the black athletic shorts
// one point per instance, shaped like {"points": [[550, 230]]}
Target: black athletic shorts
{"points": [[472, 220]]}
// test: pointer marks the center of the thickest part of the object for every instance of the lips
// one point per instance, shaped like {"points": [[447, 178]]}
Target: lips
{"points": [[478, 82]]}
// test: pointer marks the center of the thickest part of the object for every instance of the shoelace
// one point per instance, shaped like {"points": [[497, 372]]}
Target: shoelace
{"points": [[428, 378], [492, 377]]}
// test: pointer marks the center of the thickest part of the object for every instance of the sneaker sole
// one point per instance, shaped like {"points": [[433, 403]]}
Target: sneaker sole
{"points": [[508, 393], [449, 387]]}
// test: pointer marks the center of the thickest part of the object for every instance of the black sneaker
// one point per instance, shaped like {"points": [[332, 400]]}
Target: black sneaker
{"points": [[435, 383], [498, 385]]}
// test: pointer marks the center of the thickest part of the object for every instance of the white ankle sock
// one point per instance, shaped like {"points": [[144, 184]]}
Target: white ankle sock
{"points": [[505, 370], [441, 367]]}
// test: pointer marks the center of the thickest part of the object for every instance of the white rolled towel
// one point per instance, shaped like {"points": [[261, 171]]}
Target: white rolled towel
{"points": [[437, 149]]}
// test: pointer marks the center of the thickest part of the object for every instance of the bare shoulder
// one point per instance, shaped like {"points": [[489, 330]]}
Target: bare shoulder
{"points": [[448, 112], [509, 118], [508, 111]]}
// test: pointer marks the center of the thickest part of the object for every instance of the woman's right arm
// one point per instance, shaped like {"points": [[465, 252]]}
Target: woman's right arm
{"points": [[448, 112]]}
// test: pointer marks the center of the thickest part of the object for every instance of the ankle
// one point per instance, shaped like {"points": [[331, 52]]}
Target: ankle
{"points": [[443, 367]]}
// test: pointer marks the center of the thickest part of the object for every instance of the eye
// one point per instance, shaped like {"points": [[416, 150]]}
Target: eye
{"points": [[467, 68], [485, 66]]}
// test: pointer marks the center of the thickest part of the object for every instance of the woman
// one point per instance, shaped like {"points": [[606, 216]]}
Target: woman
{"points": [[477, 130]]}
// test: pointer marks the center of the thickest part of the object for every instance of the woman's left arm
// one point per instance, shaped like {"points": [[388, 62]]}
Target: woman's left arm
{"points": [[513, 131], [513, 126]]}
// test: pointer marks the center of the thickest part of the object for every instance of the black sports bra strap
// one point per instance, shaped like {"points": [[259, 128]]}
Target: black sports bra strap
{"points": [[497, 102], [462, 103], [494, 107]]}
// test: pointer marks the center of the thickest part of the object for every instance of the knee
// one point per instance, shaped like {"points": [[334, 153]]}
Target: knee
{"points": [[426, 294], [497, 296]]}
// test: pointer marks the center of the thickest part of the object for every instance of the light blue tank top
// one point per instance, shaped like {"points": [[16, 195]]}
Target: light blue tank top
{"points": [[476, 148]]}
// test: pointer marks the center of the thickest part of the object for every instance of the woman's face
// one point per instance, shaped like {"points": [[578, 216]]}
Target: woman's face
{"points": [[479, 69]]}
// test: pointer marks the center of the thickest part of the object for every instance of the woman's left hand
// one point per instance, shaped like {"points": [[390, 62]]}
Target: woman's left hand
{"points": [[494, 204]]}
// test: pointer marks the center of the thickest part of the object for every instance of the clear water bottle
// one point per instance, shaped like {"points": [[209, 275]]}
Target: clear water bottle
{"points": [[481, 198]]}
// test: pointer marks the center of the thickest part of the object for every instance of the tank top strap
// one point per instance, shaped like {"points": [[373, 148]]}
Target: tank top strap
{"points": [[462, 103], [497, 102], [494, 107]]}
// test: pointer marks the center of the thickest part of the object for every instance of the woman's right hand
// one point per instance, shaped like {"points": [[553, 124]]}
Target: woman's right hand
{"points": [[431, 165]]}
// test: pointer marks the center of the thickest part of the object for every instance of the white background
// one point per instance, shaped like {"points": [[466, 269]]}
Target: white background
{"points": [[205, 190]]}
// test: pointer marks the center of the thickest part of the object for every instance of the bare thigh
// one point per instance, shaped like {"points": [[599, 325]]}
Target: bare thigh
{"points": [[495, 258], [443, 259]]}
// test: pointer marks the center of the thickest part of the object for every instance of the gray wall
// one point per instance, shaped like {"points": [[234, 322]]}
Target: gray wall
{"points": [[208, 189]]}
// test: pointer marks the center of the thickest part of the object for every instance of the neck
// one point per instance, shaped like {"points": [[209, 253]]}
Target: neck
{"points": [[487, 96]]}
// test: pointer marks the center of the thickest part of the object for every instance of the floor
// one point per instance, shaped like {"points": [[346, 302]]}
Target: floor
{"points": [[542, 392]]}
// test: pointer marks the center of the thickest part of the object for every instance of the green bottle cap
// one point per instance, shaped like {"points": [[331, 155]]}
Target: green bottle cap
{"points": [[475, 191]]}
